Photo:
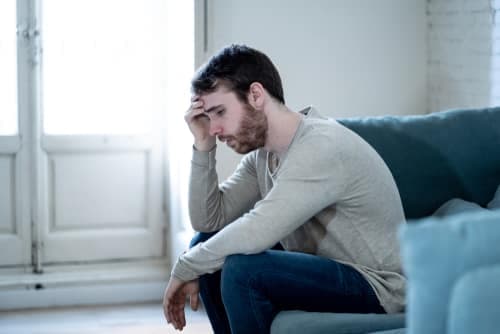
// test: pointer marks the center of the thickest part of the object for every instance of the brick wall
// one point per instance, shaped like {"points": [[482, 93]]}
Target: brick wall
{"points": [[495, 54], [463, 47]]}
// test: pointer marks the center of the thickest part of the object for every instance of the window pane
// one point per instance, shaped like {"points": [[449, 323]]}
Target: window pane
{"points": [[8, 68], [101, 73]]}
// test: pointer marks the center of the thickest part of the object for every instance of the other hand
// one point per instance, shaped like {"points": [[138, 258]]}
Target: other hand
{"points": [[174, 300]]}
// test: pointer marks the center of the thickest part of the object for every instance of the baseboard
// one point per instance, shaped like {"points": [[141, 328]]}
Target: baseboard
{"points": [[112, 283]]}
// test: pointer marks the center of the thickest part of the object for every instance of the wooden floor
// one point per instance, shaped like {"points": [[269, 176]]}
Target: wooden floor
{"points": [[125, 319]]}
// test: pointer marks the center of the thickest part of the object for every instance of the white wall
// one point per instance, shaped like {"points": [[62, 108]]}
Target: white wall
{"points": [[347, 58]]}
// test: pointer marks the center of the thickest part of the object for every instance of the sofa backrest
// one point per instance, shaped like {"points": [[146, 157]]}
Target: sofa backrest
{"points": [[438, 156]]}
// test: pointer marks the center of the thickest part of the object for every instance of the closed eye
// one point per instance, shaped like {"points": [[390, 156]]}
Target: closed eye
{"points": [[218, 110]]}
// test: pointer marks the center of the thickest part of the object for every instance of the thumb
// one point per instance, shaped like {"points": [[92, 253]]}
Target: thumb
{"points": [[194, 301]]}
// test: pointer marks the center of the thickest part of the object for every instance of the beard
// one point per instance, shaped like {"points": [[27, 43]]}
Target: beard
{"points": [[252, 133]]}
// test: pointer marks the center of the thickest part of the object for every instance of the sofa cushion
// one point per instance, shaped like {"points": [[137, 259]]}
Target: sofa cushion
{"points": [[436, 253], [435, 157], [301, 322]]}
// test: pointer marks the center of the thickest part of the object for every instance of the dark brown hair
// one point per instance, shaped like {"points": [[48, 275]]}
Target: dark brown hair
{"points": [[237, 67]]}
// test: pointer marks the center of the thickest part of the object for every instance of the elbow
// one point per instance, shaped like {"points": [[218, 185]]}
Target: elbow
{"points": [[204, 226]]}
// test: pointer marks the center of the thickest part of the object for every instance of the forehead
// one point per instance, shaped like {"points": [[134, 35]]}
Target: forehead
{"points": [[221, 96]]}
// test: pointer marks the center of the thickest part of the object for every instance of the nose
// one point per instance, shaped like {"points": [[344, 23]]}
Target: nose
{"points": [[215, 128]]}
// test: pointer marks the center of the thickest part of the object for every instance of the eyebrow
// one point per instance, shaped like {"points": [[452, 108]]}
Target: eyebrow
{"points": [[209, 110]]}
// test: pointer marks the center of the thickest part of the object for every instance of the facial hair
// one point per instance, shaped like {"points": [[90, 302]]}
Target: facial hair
{"points": [[252, 133]]}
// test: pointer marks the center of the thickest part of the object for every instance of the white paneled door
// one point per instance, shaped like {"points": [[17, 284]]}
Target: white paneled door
{"points": [[81, 153]]}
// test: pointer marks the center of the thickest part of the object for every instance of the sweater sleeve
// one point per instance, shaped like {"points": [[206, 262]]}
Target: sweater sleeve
{"points": [[213, 206], [309, 180]]}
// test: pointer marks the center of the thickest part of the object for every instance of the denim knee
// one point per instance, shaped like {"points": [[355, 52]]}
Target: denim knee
{"points": [[235, 273], [247, 307]]}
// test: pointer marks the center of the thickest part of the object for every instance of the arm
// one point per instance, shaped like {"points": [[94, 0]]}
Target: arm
{"points": [[211, 207], [305, 186]]}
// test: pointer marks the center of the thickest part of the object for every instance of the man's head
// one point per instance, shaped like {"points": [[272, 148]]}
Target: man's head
{"points": [[233, 86], [236, 67], [242, 126]]}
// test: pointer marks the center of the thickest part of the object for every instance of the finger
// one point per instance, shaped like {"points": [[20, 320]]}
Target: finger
{"points": [[166, 306], [197, 104], [180, 322], [194, 112], [177, 316], [166, 314], [194, 301], [174, 321], [173, 314], [182, 316]]}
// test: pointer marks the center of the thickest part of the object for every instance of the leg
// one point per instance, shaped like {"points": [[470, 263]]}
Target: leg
{"points": [[210, 292], [256, 287], [211, 295]]}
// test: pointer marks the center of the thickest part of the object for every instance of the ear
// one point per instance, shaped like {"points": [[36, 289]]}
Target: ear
{"points": [[256, 95]]}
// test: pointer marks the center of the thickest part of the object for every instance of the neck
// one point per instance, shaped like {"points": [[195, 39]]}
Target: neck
{"points": [[282, 126]]}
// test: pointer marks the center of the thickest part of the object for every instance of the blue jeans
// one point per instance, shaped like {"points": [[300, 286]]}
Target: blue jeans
{"points": [[246, 295]]}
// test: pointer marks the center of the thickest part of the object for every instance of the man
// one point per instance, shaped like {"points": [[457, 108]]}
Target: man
{"points": [[306, 182]]}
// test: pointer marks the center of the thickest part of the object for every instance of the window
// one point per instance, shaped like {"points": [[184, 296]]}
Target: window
{"points": [[108, 93], [100, 68], [8, 68]]}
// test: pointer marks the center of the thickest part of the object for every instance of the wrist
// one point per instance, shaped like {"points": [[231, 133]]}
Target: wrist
{"points": [[204, 146]]}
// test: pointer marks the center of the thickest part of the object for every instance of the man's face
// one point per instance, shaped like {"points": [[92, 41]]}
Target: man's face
{"points": [[239, 125]]}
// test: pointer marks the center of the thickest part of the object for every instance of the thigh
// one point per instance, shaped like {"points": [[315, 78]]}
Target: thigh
{"points": [[292, 280]]}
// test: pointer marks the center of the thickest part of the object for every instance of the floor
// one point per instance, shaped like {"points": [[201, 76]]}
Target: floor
{"points": [[124, 319]]}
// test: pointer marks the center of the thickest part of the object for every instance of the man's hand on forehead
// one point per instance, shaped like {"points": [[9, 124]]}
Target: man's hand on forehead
{"points": [[197, 102]]}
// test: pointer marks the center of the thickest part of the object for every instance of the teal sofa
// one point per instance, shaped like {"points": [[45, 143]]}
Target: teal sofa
{"points": [[437, 160]]}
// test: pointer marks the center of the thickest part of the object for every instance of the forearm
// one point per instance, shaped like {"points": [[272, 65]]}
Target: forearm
{"points": [[205, 202], [270, 221], [213, 206]]}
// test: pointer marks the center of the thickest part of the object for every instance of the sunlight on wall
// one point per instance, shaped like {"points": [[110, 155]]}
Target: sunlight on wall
{"points": [[180, 69], [8, 76]]}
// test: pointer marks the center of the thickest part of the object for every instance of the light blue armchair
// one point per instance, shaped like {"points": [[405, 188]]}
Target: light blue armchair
{"points": [[453, 270]]}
